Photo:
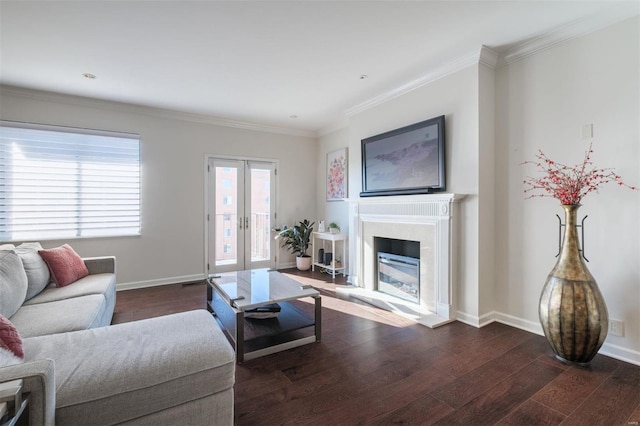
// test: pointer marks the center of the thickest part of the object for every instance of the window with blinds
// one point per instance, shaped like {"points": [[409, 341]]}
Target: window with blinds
{"points": [[62, 183]]}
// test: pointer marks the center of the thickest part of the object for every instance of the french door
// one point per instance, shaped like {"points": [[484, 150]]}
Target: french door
{"points": [[240, 214]]}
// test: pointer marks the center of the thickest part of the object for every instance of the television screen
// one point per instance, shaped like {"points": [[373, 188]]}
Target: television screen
{"points": [[409, 160]]}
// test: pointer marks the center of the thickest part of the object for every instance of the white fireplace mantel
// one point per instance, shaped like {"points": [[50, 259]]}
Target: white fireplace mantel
{"points": [[429, 219]]}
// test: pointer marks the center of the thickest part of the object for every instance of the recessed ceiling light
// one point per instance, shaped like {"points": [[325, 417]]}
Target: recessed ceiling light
{"points": [[293, 116], [363, 76], [89, 75]]}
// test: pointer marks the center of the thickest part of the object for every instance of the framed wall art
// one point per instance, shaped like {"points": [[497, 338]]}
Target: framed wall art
{"points": [[337, 175]]}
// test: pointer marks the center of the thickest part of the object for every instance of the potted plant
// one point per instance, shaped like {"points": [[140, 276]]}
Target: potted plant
{"points": [[334, 228], [296, 240]]}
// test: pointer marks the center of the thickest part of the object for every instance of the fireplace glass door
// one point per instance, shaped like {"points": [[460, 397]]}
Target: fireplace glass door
{"points": [[399, 276]]}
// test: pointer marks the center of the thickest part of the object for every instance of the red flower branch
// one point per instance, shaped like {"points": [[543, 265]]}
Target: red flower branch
{"points": [[569, 184]]}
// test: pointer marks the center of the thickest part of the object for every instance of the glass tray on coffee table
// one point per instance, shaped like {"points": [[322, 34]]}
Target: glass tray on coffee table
{"points": [[230, 295]]}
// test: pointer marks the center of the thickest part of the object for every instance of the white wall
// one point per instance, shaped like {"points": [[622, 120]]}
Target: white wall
{"points": [[542, 103], [486, 191], [171, 248], [333, 211]]}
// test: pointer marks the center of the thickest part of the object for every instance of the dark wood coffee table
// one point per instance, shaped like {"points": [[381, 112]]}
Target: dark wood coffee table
{"points": [[230, 295]]}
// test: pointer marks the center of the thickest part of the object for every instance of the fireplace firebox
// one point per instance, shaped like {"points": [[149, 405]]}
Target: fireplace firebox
{"points": [[399, 276]]}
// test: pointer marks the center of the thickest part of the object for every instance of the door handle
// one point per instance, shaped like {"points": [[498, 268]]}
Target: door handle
{"points": [[246, 222], [240, 223]]}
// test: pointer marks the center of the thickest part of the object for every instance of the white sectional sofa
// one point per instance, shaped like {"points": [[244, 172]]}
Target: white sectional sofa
{"points": [[87, 303], [78, 369]]}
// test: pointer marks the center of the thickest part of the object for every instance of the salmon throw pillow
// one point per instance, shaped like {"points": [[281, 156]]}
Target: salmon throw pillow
{"points": [[65, 265]]}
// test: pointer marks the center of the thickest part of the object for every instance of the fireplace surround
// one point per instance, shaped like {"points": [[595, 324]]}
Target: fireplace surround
{"points": [[428, 219]]}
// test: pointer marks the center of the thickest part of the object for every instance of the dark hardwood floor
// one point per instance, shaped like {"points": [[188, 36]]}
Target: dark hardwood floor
{"points": [[373, 367]]}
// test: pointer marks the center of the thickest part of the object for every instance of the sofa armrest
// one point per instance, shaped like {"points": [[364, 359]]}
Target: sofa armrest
{"points": [[39, 381], [101, 265]]}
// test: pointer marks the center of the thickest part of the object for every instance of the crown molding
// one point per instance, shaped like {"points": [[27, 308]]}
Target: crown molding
{"points": [[574, 29], [147, 110], [333, 127], [492, 59], [488, 57], [484, 55]]}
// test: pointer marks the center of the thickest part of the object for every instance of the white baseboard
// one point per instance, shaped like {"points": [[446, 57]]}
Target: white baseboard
{"points": [[175, 280], [160, 281], [522, 324], [608, 349], [474, 320], [620, 353], [468, 319], [487, 319]]}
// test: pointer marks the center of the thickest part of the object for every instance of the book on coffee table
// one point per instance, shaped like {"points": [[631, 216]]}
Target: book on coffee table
{"points": [[262, 312]]}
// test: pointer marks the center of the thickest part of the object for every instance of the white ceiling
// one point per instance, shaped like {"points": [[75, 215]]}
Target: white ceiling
{"points": [[264, 61]]}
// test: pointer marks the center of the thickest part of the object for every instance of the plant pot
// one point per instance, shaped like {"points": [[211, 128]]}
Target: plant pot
{"points": [[572, 310], [303, 263]]}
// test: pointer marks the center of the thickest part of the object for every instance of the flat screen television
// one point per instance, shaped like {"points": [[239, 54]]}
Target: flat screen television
{"points": [[409, 160]]}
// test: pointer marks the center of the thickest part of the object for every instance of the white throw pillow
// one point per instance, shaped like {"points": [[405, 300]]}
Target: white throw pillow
{"points": [[13, 283], [8, 358], [38, 275]]}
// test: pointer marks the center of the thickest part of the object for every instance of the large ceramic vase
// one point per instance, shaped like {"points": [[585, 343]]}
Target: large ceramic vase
{"points": [[572, 310]]}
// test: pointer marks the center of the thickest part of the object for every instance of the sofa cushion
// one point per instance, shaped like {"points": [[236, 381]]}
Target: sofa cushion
{"points": [[76, 313], [13, 283], [37, 271], [141, 367], [10, 338], [65, 264], [91, 284]]}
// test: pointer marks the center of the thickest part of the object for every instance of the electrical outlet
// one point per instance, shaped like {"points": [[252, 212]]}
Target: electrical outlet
{"points": [[616, 327]]}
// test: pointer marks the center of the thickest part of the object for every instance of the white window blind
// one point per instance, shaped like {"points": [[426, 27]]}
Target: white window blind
{"points": [[63, 183]]}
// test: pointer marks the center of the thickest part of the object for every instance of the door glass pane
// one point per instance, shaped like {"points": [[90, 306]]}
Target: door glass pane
{"points": [[260, 214], [226, 216]]}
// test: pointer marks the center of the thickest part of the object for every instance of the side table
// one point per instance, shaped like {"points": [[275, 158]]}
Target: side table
{"points": [[327, 236]]}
